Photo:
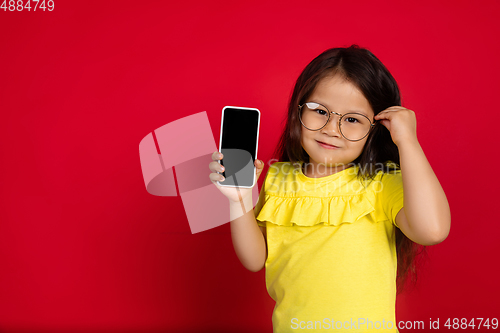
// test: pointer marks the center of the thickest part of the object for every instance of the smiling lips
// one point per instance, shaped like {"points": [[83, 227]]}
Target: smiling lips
{"points": [[326, 145]]}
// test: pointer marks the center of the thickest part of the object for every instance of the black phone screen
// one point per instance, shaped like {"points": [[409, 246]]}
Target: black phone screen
{"points": [[239, 136]]}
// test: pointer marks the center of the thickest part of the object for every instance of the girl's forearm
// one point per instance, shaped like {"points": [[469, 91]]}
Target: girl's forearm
{"points": [[425, 205], [248, 241]]}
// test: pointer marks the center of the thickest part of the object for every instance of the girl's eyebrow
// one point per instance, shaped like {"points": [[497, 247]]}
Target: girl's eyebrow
{"points": [[348, 111]]}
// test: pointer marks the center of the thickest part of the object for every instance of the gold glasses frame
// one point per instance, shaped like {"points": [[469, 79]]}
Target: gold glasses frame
{"points": [[340, 120]]}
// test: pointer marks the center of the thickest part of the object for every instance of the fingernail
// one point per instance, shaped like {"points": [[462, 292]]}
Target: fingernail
{"points": [[222, 178], [222, 168]]}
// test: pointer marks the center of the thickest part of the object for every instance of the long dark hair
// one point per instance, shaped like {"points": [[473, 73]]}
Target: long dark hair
{"points": [[360, 67]]}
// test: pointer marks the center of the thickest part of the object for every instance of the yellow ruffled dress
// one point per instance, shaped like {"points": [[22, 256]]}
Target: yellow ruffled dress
{"points": [[331, 249]]}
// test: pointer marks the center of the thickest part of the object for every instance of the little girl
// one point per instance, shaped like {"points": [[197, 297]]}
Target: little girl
{"points": [[332, 226]]}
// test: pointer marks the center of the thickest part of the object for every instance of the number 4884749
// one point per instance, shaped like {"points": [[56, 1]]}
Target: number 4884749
{"points": [[480, 323], [27, 5]]}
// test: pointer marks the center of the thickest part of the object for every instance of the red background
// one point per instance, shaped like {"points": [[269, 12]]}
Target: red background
{"points": [[84, 247]]}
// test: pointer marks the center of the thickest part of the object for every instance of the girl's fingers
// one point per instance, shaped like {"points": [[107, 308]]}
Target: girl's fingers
{"points": [[381, 115], [214, 177], [392, 109], [385, 114], [216, 167], [217, 156]]}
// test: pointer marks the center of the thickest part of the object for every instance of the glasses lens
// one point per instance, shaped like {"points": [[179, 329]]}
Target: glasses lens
{"points": [[355, 126], [313, 116]]}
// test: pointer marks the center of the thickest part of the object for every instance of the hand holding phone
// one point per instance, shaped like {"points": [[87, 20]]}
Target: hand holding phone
{"points": [[238, 144], [234, 194]]}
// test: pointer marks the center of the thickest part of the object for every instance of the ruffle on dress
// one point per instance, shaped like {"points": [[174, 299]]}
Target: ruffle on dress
{"points": [[310, 211]]}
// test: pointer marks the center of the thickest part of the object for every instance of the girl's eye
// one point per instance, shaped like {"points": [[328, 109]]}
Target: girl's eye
{"points": [[321, 112], [351, 120]]}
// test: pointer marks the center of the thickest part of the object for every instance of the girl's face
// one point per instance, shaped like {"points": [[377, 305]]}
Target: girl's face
{"points": [[342, 97]]}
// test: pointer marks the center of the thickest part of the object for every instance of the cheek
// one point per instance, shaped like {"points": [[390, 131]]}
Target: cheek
{"points": [[357, 147], [305, 142], [303, 138], [362, 146]]}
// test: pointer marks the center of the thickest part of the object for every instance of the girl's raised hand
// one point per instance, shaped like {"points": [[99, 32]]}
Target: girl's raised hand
{"points": [[234, 194], [401, 123]]}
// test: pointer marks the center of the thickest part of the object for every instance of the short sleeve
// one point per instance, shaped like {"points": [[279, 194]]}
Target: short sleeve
{"points": [[391, 194]]}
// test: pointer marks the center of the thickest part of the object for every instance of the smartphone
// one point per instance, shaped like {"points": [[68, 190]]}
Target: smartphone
{"points": [[239, 137]]}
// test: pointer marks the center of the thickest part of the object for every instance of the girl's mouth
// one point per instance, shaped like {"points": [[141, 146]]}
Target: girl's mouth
{"points": [[325, 145]]}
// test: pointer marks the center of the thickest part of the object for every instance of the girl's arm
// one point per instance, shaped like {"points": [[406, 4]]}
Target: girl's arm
{"points": [[248, 239], [425, 217]]}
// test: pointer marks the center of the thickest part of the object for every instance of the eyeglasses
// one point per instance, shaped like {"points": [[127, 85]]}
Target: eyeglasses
{"points": [[353, 126]]}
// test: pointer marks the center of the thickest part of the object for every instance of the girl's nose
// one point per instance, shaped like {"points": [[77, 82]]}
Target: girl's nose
{"points": [[332, 127]]}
